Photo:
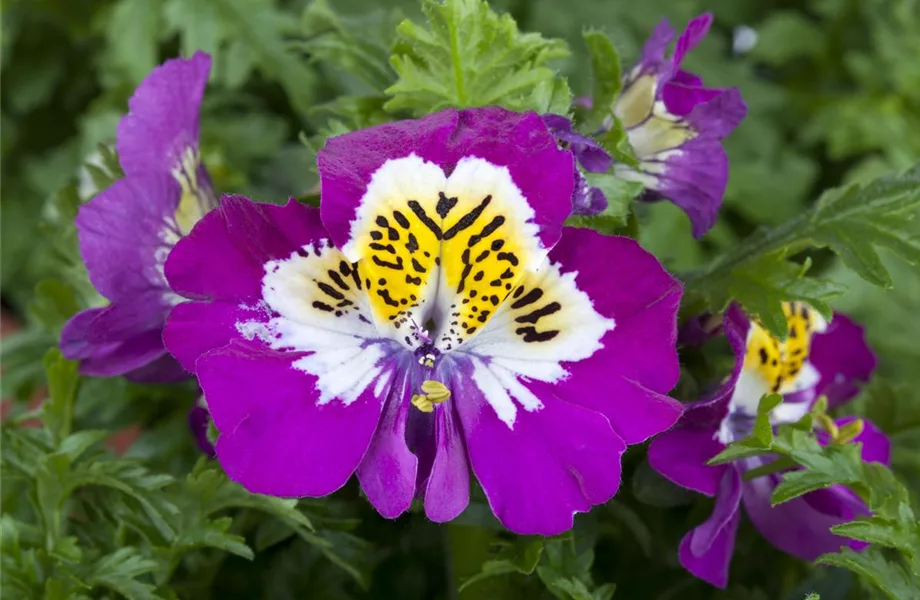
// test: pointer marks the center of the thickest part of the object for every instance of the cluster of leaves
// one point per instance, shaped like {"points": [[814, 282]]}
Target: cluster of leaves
{"points": [[79, 519], [82, 521], [892, 561]]}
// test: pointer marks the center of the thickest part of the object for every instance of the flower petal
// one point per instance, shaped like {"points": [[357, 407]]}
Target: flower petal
{"points": [[555, 462], [388, 470], [627, 378], [681, 456], [706, 550], [224, 255], [277, 436], [163, 117], [108, 358], [447, 492], [843, 358], [125, 234]]}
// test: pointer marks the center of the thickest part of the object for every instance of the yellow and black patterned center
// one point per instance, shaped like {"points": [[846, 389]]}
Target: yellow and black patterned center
{"points": [[461, 254], [779, 363]]}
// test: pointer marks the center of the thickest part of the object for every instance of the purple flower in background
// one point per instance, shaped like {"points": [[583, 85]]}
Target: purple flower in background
{"points": [[590, 155], [432, 318], [127, 231], [816, 359], [676, 125]]}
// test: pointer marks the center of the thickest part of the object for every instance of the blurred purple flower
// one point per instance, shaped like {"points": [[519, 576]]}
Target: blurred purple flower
{"points": [[816, 359]]}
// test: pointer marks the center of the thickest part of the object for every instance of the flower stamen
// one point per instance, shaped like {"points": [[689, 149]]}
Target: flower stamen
{"points": [[434, 392]]}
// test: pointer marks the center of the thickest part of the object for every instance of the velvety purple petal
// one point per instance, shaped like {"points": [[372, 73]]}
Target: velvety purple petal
{"points": [[275, 437], [108, 359], [843, 358], [694, 178], [520, 141], [223, 255], [719, 116], [388, 470], [696, 30], [162, 121], [555, 462], [125, 319], [706, 551], [122, 232], [194, 328], [654, 49], [681, 455], [447, 492], [681, 99], [628, 378], [799, 527]]}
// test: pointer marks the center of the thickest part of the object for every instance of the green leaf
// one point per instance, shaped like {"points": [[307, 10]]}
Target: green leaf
{"points": [[256, 23], [606, 77], [851, 221], [879, 531], [63, 380], [119, 572], [132, 34], [890, 576], [551, 96], [468, 56], [763, 430], [349, 45], [520, 556], [54, 303], [616, 142], [198, 25]]}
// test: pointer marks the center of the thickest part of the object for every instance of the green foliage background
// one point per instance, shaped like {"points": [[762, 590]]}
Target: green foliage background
{"points": [[833, 88]]}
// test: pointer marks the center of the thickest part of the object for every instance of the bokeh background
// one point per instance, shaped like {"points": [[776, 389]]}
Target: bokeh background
{"points": [[833, 88]]}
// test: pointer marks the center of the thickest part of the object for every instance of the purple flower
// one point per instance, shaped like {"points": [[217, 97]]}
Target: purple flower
{"points": [[431, 318], [127, 230], [675, 125], [816, 358]]}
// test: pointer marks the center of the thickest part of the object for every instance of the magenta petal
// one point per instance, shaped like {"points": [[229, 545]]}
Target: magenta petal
{"points": [[519, 141], [275, 438], [194, 328], [843, 358], [162, 121], [447, 493], [245, 235], [628, 378], [681, 456], [706, 551], [388, 470], [557, 461]]}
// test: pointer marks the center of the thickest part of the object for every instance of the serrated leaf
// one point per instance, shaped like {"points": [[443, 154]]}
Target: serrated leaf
{"points": [[606, 77], [212, 534], [881, 532], [468, 56], [551, 96], [896, 581], [616, 142], [763, 430], [119, 572], [852, 221]]}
